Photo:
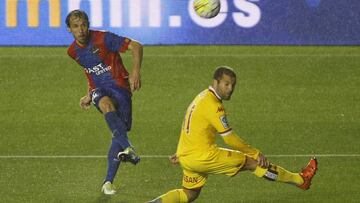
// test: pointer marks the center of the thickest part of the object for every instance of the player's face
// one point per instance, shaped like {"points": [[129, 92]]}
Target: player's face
{"points": [[80, 30], [225, 86]]}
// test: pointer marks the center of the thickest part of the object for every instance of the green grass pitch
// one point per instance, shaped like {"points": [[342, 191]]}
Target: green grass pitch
{"points": [[290, 101]]}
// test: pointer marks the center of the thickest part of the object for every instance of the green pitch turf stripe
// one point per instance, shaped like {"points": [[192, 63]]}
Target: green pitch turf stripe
{"points": [[159, 156], [200, 55]]}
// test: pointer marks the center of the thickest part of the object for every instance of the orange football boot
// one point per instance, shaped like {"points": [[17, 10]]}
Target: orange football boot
{"points": [[308, 173]]}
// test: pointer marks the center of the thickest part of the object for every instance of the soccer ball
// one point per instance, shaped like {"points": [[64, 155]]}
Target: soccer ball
{"points": [[207, 8]]}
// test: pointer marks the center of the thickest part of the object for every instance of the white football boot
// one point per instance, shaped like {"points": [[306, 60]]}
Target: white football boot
{"points": [[108, 188]]}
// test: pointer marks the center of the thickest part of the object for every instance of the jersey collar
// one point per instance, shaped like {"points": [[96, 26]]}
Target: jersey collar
{"points": [[211, 89]]}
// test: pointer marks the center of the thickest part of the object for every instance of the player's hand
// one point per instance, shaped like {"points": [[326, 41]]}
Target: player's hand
{"points": [[85, 102], [135, 81], [174, 159], [262, 161]]}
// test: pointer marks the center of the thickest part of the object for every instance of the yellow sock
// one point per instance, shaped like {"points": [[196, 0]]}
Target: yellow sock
{"points": [[287, 176], [174, 196], [278, 173]]}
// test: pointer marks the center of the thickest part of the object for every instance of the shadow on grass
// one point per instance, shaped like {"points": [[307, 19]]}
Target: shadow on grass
{"points": [[103, 198], [109, 198]]}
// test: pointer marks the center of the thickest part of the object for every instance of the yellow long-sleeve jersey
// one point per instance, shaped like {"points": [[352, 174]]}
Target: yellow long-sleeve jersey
{"points": [[204, 119]]}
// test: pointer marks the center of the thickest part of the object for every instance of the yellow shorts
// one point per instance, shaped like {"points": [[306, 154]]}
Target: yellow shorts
{"points": [[196, 168]]}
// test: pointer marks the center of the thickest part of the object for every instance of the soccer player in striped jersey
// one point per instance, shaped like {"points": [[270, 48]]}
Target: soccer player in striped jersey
{"points": [[110, 85], [199, 156]]}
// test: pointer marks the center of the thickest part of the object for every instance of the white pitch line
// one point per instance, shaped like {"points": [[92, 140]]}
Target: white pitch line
{"points": [[159, 156]]}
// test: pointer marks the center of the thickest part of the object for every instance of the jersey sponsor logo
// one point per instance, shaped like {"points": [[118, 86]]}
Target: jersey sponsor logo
{"points": [[220, 109], [224, 121], [98, 69], [188, 179], [95, 50]]}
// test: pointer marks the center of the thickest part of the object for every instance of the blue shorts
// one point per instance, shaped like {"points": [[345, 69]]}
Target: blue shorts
{"points": [[122, 101]]}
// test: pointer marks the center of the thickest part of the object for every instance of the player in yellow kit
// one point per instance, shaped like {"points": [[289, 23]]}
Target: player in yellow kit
{"points": [[199, 156]]}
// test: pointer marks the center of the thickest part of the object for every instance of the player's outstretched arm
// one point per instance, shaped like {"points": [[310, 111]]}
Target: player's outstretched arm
{"points": [[235, 142], [262, 161], [137, 55]]}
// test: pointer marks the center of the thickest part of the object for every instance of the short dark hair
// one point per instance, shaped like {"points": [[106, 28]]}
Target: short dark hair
{"points": [[221, 70], [78, 14]]}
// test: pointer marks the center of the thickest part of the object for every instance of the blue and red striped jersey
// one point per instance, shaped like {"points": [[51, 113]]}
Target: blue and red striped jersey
{"points": [[101, 60]]}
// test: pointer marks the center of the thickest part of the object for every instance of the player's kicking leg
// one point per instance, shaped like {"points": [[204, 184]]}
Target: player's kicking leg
{"points": [[119, 141], [277, 173]]}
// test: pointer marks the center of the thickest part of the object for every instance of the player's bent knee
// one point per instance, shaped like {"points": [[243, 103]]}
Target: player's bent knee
{"points": [[106, 105], [192, 194], [250, 164]]}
